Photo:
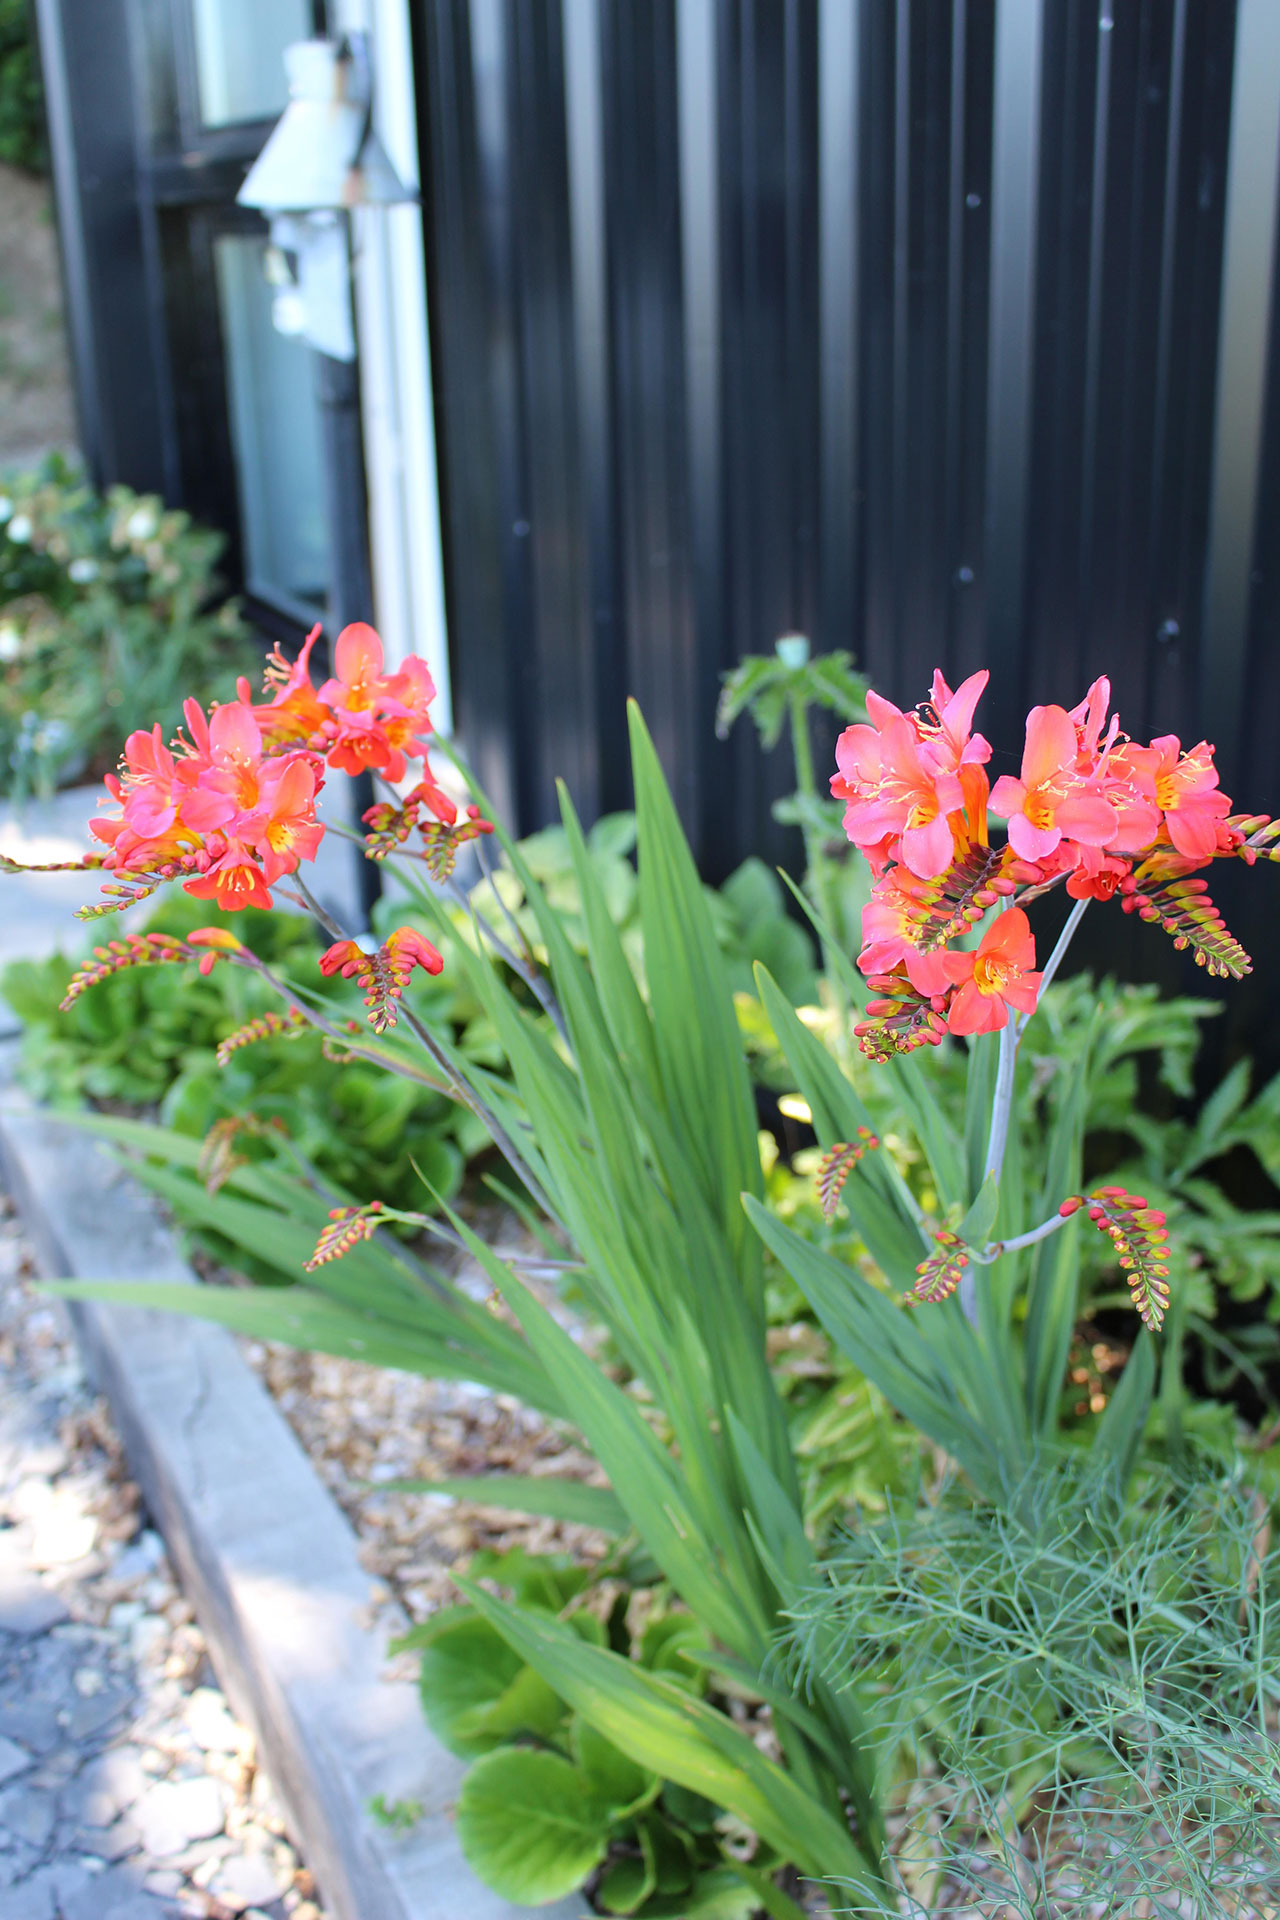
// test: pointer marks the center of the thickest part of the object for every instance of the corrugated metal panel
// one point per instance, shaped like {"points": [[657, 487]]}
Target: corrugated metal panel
{"points": [[899, 324]]}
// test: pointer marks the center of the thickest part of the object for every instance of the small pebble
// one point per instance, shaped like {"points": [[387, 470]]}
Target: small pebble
{"points": [[13, 1759], [126, 1788]]}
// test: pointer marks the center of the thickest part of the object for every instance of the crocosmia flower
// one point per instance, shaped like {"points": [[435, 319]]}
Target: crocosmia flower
{"points": [[374, 717], [1186, 792], [998, 976], [1052, 799], [896, 801]]}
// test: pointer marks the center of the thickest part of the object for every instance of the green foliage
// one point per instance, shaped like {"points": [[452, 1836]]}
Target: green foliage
{"points": [[22, 136], [552, 1801], [1078, 1691], [359, 1127], [638, 1129], [398, 1815], [103, 599], [748, 912], [780, 689], [614, 1076]]}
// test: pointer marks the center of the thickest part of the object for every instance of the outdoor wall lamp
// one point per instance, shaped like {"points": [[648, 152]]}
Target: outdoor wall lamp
{"points": [[321, 160]]}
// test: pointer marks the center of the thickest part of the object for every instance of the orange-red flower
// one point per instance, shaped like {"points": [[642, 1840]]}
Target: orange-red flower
{"points": [[999, 975], [374, 717], [897, 800], [233, 881], [383, 974], [1051, 798], [1186, 791]]}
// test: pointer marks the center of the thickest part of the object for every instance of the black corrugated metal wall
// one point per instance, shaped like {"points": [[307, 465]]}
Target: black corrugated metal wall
{"points": [[892, 322]]}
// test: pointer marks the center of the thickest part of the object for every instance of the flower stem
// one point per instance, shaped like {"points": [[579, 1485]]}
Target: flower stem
{"points": [[460, 1089], [1002, 1111], [1056, 958], [1002, 1105], [995, 1248]]}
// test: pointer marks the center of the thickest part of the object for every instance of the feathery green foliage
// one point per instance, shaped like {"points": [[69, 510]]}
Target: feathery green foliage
{"points": [[1077, 1691]]}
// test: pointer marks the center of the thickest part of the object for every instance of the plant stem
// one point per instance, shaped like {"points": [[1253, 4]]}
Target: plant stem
{"points": [[1001, 1113], [817, 864], [526, 969], [1056, 958], [807, 787], [317, 912], [459, 1088], [1002, 1105], [995, 1248]]}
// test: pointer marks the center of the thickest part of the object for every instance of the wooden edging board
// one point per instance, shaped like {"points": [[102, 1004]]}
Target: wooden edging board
{"points": [[264, 1554]]}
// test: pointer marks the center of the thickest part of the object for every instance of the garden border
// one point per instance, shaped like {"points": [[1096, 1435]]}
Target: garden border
{"points": [[241, 1510]]}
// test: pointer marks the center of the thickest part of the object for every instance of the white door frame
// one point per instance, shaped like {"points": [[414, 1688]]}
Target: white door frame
{"points": [[395, 371]]}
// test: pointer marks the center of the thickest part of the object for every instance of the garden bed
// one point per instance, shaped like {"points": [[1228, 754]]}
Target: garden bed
{"points": [[269, 1563]]}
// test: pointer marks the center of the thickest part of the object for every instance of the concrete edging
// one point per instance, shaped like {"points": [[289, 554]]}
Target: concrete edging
{"points": [[265, 1555]]}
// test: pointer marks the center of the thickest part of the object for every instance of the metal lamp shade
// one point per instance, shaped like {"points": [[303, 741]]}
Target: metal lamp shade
{"points": [[322, 152]]}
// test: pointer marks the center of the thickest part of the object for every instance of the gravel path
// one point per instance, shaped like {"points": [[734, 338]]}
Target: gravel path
{"points": [[128, 1791]]}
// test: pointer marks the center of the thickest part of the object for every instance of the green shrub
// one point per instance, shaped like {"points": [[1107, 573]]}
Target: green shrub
{"points": [[22, 136], [104, 600]]}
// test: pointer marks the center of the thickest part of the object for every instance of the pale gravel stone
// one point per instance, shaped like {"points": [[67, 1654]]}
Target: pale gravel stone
{"points": [[27, 1603], [111, 1843], [96, 1823], [31, 1899], [247, 1880], [28, 1814], [211, 1725]]}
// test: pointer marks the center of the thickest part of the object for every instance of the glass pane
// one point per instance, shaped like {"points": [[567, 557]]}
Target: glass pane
{"points": [[275, 432], [239, 49]]}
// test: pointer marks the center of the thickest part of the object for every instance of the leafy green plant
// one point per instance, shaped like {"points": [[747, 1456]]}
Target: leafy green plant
{"points": [[355, 1124], [1079, 1692], [749, 912], [635, 1132], [22, 136], [103, 598], [550, 1803], [780, 690], [624, 1109]]}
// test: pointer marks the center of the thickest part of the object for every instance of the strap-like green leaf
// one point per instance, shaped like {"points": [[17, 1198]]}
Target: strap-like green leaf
{"points": [[685, 1538], [665, 1728], [699, 1048], [975, 1228], [887, 1345], [300, 1317], [874, 1194], [546, 1494], [1121, 1427]]}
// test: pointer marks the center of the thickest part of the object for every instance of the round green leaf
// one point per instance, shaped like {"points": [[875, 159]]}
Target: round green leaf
{"points": [[476, 1692], [616, 1780], [627, 1885], [530, 1825]]}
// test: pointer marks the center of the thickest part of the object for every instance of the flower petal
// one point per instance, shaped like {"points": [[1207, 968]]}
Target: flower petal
{"points": [[1032, 843], [357, 654], [928, 851], [1087, 817], [1051, 745]]}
